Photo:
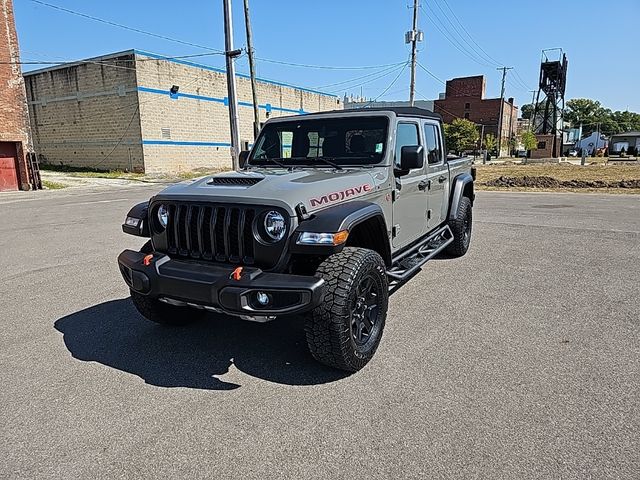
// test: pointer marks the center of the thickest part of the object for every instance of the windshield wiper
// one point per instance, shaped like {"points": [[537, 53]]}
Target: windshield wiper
{"points": [[328, 162], [272, 160]]}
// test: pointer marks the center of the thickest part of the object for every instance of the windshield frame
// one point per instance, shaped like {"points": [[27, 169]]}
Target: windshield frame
{"points": [[364, 160]]}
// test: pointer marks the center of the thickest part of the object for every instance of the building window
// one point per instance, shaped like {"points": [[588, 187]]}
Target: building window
{"points": [[542, 145], [466, 115], [165, 132], [467, 106]]}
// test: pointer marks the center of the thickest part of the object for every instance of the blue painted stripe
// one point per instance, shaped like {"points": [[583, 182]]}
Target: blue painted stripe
{"points": [[220, 70], [190, 144], [225, 101]]}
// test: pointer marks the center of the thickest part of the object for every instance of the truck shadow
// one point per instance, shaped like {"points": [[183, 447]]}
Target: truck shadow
{"points": [[115, 335]]}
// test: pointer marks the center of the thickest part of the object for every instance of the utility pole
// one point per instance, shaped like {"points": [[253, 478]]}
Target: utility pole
{"points": [[230, 55], [482, 152], [504, 78], [413, 37], [252, 71]]}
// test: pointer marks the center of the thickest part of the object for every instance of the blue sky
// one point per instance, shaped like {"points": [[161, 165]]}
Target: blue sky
{"points": [[601, 40]]}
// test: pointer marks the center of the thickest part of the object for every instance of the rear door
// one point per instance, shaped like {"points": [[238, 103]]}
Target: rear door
{"points": [[437, 175], [410, 206]]}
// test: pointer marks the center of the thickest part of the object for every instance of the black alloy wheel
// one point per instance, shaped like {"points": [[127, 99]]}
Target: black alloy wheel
{"points": [[365, 311]]}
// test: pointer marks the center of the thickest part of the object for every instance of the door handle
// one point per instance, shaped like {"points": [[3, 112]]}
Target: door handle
{"points": [[424, 185], [441, 179]]}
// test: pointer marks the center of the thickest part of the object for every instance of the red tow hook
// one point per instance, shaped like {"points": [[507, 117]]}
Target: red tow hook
{"points": [[237, 273], [147, 260]]}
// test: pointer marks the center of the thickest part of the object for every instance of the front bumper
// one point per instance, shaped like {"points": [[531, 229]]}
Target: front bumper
{"points": [[214, 286]]}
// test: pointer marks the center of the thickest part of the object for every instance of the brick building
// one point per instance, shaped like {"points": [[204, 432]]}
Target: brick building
{"points": [[117, 112], [465, 98], [14, 120]]}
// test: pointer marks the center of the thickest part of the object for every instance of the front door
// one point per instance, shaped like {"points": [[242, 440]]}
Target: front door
{"points": [[437, 176], [410, 206], [8, 163]]}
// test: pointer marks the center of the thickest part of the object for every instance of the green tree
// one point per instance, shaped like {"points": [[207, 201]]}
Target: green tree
{"points": [[526, 111], [590, 113], [490, 142], [529, 140], [461, 134]]}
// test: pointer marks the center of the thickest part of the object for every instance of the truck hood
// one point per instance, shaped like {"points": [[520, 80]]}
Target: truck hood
{"points": [[316, 188]]}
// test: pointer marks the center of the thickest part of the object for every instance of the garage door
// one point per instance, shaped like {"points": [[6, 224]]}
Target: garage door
{"points": [[8, 162]]}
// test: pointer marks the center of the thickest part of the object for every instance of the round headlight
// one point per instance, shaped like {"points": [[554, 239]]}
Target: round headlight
{"points": [[274, 225], [163, 215]]}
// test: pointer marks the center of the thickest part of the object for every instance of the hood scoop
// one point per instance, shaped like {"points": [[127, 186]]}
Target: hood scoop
{"points": [[234, 181]]}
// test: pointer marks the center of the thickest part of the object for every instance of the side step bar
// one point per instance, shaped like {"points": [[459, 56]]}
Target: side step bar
{"points": [[409, 262]]}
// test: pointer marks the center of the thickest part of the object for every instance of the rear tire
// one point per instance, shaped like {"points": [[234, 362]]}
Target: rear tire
{"points": [[163, 313], [461, 229], [344, 331]]}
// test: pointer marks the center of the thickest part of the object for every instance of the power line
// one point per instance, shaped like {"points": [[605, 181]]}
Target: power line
{"points": [[520, 80], [126, 27], [393, 82], [473, 49], [327, 67], [204, 47], [360, 77], [452, 40], [386, 73], [433, 75], [464, 29]]}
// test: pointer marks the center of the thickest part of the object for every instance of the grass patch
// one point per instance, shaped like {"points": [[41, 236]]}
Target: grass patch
{"points": [[87, 172], [49, 185], [553, 177]]}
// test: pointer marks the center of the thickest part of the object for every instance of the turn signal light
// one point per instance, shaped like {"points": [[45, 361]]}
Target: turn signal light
{"points": [[340, 237]]}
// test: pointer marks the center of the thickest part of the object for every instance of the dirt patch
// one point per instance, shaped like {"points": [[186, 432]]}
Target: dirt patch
{"points": [[544, 182]]}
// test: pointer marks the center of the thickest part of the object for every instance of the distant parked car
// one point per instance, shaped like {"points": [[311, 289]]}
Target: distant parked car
{"points": [[573, 152], [521, 154]]}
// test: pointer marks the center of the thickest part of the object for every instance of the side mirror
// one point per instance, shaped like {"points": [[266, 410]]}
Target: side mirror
{"points": [[411, 157], [242, 158]]}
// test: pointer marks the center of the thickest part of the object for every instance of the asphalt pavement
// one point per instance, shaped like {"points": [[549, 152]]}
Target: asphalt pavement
{"points": [[519, 360]]}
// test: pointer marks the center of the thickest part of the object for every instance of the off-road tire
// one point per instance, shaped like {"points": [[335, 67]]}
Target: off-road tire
{"points": [[329, 327], [163, 313], [461, 229]]}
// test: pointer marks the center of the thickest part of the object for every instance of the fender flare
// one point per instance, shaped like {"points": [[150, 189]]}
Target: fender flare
{"points": [[141, 212], [459, 185], [334, 219]]}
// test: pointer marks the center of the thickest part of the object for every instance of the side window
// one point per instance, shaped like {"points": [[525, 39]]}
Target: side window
{"points": [[434, 149], [406, 136]]}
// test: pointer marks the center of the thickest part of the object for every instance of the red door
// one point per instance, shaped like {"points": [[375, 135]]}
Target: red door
{"points": [[8, 162]]}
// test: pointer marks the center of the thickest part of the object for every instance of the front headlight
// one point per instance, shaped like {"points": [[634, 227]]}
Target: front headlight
{"points": [[311, 238], [163, 215], [275, 225]]}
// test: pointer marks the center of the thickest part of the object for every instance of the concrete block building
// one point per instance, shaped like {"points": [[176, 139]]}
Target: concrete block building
{"points": [[465, 98], [14, 119], [118, 112]]}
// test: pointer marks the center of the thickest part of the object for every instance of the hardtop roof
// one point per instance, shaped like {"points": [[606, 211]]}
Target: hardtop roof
{"points": [[399, 111]]}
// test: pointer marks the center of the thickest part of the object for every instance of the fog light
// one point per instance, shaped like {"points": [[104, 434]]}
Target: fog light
{"points": [[132, 221], [262, 298]]}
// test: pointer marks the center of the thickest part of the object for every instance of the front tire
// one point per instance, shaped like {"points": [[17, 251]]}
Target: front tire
{"points": [[163, 313], [344, 331], [461, 229]]}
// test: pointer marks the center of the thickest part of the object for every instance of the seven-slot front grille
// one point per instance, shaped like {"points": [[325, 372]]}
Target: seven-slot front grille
{"points": [[211, 232]]}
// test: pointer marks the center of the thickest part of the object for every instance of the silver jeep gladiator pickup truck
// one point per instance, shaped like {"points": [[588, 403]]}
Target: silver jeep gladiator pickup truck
{"points": [[328, 214]]}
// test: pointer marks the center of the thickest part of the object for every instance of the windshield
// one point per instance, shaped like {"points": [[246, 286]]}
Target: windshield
{"points": [[343, 141]]}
